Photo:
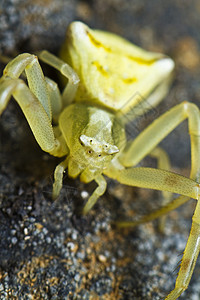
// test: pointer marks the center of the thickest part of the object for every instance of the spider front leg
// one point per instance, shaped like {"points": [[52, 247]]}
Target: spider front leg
{"points": [[36, 81], [35, 114], [145, 143], [159, 129], [41, 99], [167, 181], [33, 100]]}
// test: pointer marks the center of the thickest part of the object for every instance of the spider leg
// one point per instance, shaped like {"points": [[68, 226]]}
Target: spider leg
{"points": [[175, 203], [157, 179], [58, 178], [144, 144], [34, 112], [154, 179], [190, 255], [99, 191], [147, 140], [55, 98], [73, 79], [163, 162], [29, 63]]}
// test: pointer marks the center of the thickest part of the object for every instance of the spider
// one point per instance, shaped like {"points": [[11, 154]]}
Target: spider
{"points": [[107, 79]]}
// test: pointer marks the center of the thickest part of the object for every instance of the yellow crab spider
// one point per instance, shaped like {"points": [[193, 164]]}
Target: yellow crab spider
{"points": [[107, 78]]}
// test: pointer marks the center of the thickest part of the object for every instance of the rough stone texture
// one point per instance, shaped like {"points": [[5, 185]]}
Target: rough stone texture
{"points": [[34, 25], [49, 251]]}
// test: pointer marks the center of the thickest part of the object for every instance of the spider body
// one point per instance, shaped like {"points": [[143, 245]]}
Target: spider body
{"points": [[107, 81], [91, 147]]}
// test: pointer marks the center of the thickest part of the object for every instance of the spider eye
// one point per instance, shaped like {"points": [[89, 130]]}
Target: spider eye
{"points": [[99, 155], [90, 151]]}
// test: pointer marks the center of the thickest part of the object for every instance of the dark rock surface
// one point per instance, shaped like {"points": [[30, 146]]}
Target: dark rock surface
{"points": [[49, 251]]}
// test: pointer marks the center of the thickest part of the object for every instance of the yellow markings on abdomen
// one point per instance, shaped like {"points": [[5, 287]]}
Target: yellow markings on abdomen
{"points": [[105, 72], [142, 61], [97, 43], [129, 80], [100, 68]]}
